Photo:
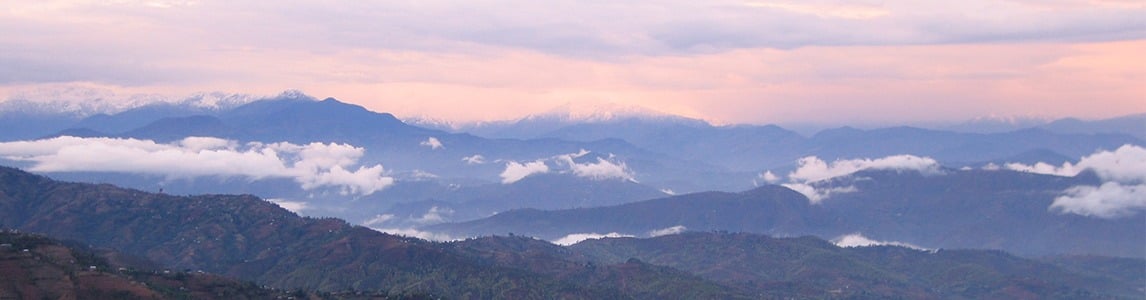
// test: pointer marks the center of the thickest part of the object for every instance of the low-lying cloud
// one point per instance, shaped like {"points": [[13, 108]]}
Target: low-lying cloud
{"points": [[668, 231], [1122, 193], [515, 171], [293, 206], [858, 240], [415, 233], [313, 165], [813, 169], [580, 237], [475, 159], [603, 169], [600, 170], [433, 143], [813, 172]]}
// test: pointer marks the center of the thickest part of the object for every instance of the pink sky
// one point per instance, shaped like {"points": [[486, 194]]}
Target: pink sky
{"points": [[724, 61]]}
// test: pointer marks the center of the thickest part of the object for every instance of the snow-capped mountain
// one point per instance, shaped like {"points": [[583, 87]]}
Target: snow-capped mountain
{"points": [[569, 114], [80, 102]]}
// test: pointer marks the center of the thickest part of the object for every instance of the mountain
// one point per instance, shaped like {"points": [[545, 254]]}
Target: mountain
{"points": [[101, 112], [38, 267], [1134, 125], [1004, 210], [768, 209], [813, 268], [440, 203], [569, 114], [248, 238]]}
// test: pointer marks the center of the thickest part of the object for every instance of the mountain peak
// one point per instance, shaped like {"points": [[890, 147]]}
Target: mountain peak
{"points": [[85, 101]]}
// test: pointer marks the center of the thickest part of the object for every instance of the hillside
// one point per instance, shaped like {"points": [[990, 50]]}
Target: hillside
{"points": [[251, 239], [37, 267], [1004, 210], [248, 238], [809, 267]]}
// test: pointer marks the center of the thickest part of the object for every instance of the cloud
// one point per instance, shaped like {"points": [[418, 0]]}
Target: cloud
{"points": [[434, 215], [293, 206], [475, 159], [858, 240], [415, 233], [515, 171], [1110, 200], [818, 195], [750, 57], [769, 177], [813, 169], [1126, 164], [313, 165], [378, 219], [433, 143], [813, 172], [579, 237], [600, 170], [668, 231], [1122, 193]]}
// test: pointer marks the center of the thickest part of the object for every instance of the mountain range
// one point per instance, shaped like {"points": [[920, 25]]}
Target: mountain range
{"points": [[252, 239], [658, 152]]}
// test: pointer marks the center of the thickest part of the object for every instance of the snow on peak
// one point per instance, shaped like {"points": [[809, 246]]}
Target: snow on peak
{"points": [[601, 112], [87, 100]]}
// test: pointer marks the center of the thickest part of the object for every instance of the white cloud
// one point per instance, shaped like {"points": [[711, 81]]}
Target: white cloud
{"points": [[769, 177], [858, 240], [579, 237], [434, 215], [515, 171], [313, 165], [813, 171], [378, 219], [1110, 200], [433, 143], [415, 233], [817, 195], [667, 231], [293, 206], [603, 169], [1126, 164], [1122, 193], [475, 159]]}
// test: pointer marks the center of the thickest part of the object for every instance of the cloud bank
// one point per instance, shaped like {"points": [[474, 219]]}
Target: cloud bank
{"points": [[313, 165], [1122, 193], [811, 175]]}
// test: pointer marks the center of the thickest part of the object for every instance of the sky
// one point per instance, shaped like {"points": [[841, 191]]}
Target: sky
{"points": [[755, 61]]}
